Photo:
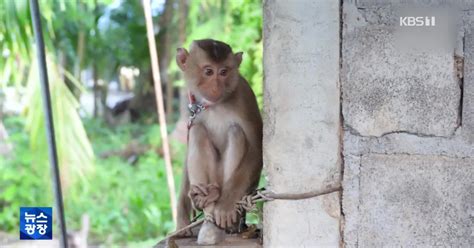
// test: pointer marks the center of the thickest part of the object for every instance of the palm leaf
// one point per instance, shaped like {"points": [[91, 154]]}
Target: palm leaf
{"points": [[75, 154]]}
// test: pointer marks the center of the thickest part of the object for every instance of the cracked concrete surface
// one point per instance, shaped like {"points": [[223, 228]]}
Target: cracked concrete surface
{"points": [[407, 130], [387, 89], [408, 135], [408, 200]]}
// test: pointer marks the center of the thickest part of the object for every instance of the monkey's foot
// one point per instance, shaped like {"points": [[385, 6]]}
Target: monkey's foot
{"points": [[210, 234], [225, 214], [203, 195]]}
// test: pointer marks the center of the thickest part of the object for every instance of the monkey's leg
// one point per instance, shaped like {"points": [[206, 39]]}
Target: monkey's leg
{"points": [[202, 158], [184, 204], [202, 168], [199, 162], [203, 171], [238, 177]]}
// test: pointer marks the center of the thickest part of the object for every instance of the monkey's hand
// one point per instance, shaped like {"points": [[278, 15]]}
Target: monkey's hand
{"points": [[202, 195], [225, 214]]}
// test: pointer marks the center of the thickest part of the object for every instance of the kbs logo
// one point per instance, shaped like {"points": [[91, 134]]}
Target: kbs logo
{"points": [[417, 21]]}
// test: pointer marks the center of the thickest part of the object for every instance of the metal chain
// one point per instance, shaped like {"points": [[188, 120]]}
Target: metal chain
{"points": [[194, 110]]}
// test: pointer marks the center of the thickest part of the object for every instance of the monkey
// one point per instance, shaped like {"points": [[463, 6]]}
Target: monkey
{"points": [[224, 155]]}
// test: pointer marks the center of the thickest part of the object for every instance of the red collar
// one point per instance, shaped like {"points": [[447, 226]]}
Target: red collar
{"points": [[192, 100], [191, 97]]}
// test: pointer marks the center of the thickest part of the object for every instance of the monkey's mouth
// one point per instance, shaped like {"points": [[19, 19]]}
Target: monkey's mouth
{"points": [[211, 100], [207, 102]]}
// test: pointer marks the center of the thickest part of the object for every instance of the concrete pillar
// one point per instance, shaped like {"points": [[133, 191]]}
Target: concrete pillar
{"points": [[302, 121]]}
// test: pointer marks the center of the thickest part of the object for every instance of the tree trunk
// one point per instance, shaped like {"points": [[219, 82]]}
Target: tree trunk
{"points": [[95, 90], [183, 15], [179, 133], [81, 42], [95, 74], [80, 54], [165, 23]]}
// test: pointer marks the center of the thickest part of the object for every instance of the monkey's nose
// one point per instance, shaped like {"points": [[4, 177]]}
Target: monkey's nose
{"points": [[216, 91], [214, 95]]}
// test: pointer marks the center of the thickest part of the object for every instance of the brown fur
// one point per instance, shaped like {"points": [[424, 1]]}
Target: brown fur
{"points": [[225, 142], [216, 51]]}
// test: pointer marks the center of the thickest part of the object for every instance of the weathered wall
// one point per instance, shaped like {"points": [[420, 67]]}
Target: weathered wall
{"points": [[408, 133], [406, 137], [301, 116]]}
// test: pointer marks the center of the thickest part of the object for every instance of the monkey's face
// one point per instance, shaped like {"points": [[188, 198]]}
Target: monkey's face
{"points": [[215, 80], [207, 77]]}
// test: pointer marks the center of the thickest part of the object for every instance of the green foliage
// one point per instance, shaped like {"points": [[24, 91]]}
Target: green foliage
{"points": [[61, 21], [75, 155], [15, 39], [24, 180], [126, 203], [236, 22], [123, 36], [60, 28]]}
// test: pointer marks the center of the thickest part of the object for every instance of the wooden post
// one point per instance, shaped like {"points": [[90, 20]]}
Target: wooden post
{"points": [[159, 102]]}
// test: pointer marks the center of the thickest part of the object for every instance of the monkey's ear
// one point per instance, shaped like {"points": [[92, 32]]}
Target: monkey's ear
{"points": [[181, 58], [238, 58]]}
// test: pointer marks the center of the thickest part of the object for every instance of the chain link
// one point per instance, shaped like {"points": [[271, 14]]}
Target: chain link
{"points": [[194, 110]]}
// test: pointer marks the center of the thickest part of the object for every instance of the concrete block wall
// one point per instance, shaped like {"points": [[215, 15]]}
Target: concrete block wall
{"points": [[343, 102], [408, 146]]}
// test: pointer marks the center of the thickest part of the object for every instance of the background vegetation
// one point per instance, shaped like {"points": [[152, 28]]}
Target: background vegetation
{"points": [[111, 167]]}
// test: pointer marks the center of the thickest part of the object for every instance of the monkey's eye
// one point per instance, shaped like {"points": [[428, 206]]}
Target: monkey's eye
{"points": [[223, 72], [208, 72]]}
